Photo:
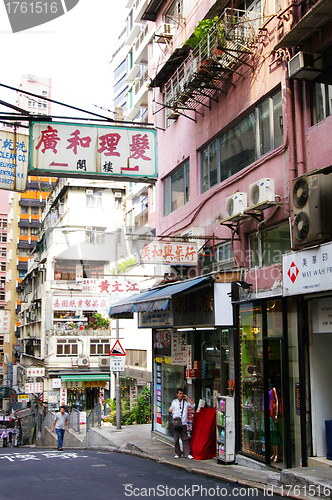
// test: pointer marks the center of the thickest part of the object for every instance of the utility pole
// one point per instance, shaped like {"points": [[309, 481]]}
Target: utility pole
{"points": [[117, 385]]}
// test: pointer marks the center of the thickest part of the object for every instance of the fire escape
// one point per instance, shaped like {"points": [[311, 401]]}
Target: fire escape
{"points": [[216, 60]]}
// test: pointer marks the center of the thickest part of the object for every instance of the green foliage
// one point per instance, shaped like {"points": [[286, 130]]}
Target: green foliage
{"points": [[125, 265], [100, 322], [139, 414], [201, 31]]}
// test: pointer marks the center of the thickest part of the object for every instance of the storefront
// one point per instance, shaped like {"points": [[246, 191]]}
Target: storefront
{"points": [[79, 392], [193, 341], [307, 280]]}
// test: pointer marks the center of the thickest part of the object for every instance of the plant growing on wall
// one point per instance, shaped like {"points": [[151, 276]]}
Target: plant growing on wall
{"points": [[200, 31]]}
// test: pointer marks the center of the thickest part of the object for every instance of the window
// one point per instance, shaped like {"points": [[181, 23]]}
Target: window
{"points": [[95, 236], [120, 69], [35, 210], [120, 97], [136, 357], [219, 258], [2, 282], [24, 231], [3, 252], [254, 136], [3, 224], [93, 198], [66, 347], [34, 231], [322, 98], [68, 271], [2, 296], [3, 266], [25, 210], [100, 347], [118, 86], [268, 247], [21, 274], [3, 238], [174, 12], [176, 189]]}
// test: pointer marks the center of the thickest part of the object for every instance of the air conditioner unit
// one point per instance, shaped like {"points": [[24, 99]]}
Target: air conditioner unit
{"points": [[88, 229], [104, 361], [89, 192], [235, 205], [261, 192], [305, 66], [117, 194], [164, 32], [83, 361], [312, 206]]}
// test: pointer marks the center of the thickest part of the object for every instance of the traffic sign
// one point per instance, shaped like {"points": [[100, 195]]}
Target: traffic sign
{"points": [[117, 364], [117, 350]]}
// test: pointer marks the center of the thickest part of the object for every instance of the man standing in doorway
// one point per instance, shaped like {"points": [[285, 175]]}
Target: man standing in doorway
{"points": [[179, 409], [61, 418]]}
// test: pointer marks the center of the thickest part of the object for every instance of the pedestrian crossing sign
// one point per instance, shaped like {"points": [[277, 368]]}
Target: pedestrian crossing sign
{"points": [[117, 350]]}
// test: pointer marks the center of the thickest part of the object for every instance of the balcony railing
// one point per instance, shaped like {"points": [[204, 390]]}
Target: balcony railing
{"points": [[216, 59]]}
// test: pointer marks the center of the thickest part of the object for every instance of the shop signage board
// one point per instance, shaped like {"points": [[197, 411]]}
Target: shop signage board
{"points": [[80, 303], [179, 348], [118, 285], [155, 319], [117, 364], [4, 321], [63, 396], [35, 371], [33, 387], [177, 253], [307, 271], [57, 383], [97, 151], [14, 155], [23, 398]]}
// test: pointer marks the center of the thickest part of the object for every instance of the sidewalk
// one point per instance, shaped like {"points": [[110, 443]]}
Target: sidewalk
{"points": [[301, 483]]}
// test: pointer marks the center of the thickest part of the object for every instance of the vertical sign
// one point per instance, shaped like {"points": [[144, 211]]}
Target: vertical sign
{"points": [[179, 348]]}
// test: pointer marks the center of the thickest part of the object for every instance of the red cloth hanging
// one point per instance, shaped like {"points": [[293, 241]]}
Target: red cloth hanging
{"points": [[203, 438]]}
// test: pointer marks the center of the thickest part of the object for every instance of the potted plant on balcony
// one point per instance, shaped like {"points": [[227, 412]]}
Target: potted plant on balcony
{"points": [[211, 48]]}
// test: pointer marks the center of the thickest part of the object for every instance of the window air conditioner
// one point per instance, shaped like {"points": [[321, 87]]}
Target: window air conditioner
{"points": [[83, 362], [164, 32], [235, 204], [104, 361], [89, 192], [305, 66], [261, 192], [88, 229], [117, 194]]}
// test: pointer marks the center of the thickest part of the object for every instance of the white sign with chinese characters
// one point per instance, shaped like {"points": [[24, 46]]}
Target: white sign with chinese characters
{"points": [[160, 252], [321, 312], [307, 271], [117, 363], [57, 383], [154, 319], [14, 156], [33, 388], [179, 348], [118, 285], [79, 303], [35, 371], [101, 152], [4, 321]]}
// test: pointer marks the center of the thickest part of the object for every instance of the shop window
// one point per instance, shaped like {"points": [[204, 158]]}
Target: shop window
{"points": [[176, 189], [268, 247], [136, 357], [251, 379], [99, 347], [258, 133], [66, 347]]}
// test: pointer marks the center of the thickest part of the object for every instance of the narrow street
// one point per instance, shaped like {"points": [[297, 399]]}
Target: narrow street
{"points": [[79, 475]]}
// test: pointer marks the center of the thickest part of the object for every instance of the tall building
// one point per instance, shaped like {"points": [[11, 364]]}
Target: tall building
{"points": [[240, 96], [24, 218], [4, 197]]}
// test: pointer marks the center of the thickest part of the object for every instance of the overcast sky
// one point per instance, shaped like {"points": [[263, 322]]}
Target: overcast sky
{"points": [[74, 50]]}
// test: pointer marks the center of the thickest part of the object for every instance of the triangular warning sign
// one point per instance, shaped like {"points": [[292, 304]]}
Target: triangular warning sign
{"points": [[117, 350]]}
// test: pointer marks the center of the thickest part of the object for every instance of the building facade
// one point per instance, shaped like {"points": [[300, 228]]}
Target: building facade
{"points": [[239, 93]]}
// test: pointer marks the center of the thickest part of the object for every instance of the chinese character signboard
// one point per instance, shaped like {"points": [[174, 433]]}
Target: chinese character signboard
{"points": [[155, 319], [307, 271], [4, 321], [159, 252], [101, 152], [35, 371], [179, 348], [117, 364], [79, 303], [33, 388], [118, 285], [13, 161]]}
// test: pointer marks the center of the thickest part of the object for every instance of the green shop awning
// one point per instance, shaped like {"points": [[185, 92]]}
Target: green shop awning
{"points": [[82, 378]]}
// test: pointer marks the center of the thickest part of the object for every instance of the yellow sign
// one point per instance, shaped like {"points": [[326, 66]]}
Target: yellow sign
{"points": [[21, 398], [93, 383]]}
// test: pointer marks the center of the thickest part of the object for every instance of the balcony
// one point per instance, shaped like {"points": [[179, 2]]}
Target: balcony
{"points": [[214, 61], [141, 47]]}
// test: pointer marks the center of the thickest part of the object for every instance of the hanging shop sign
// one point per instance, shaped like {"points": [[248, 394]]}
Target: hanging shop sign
{"points": [[14, 157], [100, 152], [155, 319], [79, 303], [160, 252], [33, 387], [118, 285], [35, 371], [4, 321], [23, 398], [307, 271]]}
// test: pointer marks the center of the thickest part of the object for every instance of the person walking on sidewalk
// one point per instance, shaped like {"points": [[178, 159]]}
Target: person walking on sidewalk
{"points": [[179, 411], [61, 418]]}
